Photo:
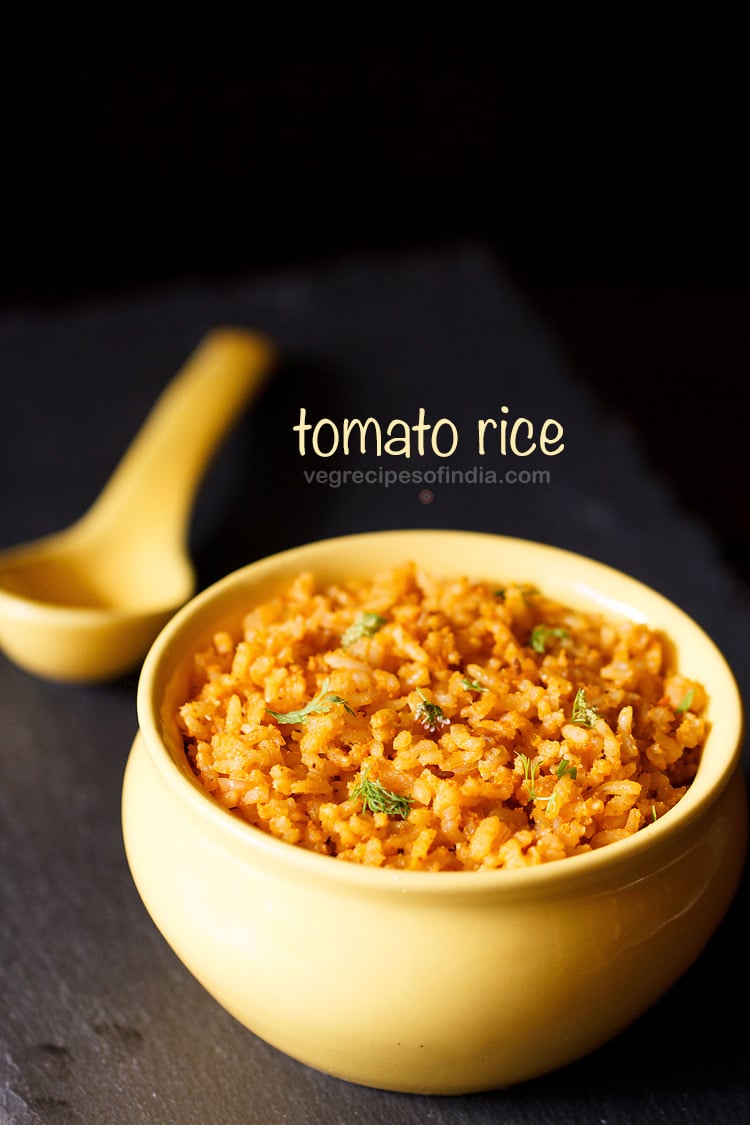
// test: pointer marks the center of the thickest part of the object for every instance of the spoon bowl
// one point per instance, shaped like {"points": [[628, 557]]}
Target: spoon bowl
{"points": [[85, 603]]}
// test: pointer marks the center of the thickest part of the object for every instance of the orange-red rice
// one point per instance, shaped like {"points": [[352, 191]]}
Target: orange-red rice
{"points": [[506, 778]]}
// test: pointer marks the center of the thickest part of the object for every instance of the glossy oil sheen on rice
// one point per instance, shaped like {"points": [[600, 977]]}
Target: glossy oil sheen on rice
{"points": [[437, 724]]}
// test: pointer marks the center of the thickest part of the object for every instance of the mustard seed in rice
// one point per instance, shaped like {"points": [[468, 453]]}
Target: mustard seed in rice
{"points": [[441, 725]]}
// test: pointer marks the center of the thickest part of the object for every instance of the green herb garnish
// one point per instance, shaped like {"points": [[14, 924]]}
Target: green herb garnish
{"points": [[565, 767], [525, 589], [320, 705], [582, 713], [529, 776], [366, 625], [541, 635], [376, 798], [686, 702], [430, 715], [473, 685]]}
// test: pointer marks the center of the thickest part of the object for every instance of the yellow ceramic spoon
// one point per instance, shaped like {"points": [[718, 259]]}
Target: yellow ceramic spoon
{"points": [[84, 604]]}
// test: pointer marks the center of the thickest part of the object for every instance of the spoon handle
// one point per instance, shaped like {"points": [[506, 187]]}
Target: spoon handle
{"points": [[153, 486]]}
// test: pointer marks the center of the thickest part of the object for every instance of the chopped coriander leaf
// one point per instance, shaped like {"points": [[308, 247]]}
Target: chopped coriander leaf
{"points": [[376, 798], [320, 705], [541, 635], [582, 713], [529, 776], [333, 698], [686, 702], [430, 715], [565, 767], [366, 625], [473, 685], [524, 588]]}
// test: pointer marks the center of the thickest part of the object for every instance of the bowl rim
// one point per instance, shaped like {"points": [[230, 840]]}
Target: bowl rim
{"points": [[629, 857]]}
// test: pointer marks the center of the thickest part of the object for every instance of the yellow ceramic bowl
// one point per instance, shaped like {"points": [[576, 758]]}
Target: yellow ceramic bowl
{"points": [[428, 982]]}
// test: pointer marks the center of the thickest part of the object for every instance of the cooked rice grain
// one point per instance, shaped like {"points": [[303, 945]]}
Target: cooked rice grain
{"points": [[453, 698]]}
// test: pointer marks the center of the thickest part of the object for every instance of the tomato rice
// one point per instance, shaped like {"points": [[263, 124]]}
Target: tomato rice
{"points": [[434, 724]]}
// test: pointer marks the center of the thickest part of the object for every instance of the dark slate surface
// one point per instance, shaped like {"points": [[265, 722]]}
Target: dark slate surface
{"points": [[99, 1022]]}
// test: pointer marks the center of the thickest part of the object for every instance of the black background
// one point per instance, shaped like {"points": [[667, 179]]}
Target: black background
{"points": [[612, 187]]}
